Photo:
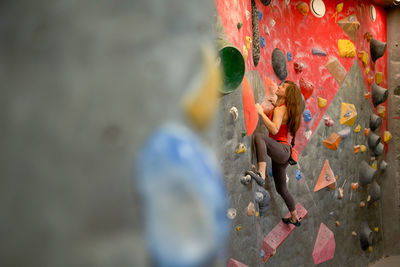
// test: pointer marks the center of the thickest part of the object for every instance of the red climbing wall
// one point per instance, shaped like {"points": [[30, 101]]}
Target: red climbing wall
{"points": [[289, 31]]}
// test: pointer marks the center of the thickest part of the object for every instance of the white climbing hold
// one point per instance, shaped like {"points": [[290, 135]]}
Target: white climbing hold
{"points": [[247, 15], [234, 112], [231, 213], [308, 134], [240, 149]]}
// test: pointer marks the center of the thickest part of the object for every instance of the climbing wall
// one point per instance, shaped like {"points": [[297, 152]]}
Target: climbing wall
{"points": [[332, 74]]}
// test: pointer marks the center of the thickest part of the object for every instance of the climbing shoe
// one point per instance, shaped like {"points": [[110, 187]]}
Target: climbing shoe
{"points": [[287, 221], [256, 176]]}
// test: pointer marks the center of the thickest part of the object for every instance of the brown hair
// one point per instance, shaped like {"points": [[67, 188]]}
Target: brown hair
{"points": [[294, 104]]}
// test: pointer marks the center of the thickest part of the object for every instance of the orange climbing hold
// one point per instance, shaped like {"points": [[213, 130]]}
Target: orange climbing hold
{"points": [[356, 149], [354, 186], [366, 131], [366, 95], [326, 177], [332, 142]]}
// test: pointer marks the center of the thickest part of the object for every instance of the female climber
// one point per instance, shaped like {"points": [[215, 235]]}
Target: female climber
{"points": [[285, 118]]}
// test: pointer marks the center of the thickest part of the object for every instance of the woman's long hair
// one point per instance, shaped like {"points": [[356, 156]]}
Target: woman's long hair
{"points": [[294, 108]]}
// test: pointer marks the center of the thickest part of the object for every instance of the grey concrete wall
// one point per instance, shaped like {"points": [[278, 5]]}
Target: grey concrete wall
{"points": [[391, 182]]}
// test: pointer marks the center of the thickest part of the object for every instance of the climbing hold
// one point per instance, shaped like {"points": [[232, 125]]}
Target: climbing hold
{"points": [[374, 165], [373, 140], [372, 159], [379, 94], [356, 149], [307, 134], [318, 52], [245, 180], [262, 42], [339, 8], [336, 69], [231, 213], [368, 36], [370, 79], [263, 204], [251, 209], [353, 233], [306, 88], [256, 33], [200, 105], [234, 113], [258, 196], [369, 198], [328, 121], [346, 48], [357, 129], [240, 149], [354, 186], [375, 192], [249, 107], [362, 204], [378, 77], [239, 25], [377, 49], [245, 53], [247, 15], [374, 122], [317, 8], [307, 115], [366, 95], [260, 15], [366, 235], [322, 102], [337, 223], [364, 58], [332, 142], [365, 173], [272, 22], [348, 114], [376, 229], [238, 227], [248, 42], [302, 7], [289, 56], [265, 2], [350, 25], [326, 177], [363, 148], [366, 131], [266, 30], [383, 165], [379, 149], [367, 69], [298, 67], [324, 247], [262, 253], [270, 171], [381, 111], [298, 175], [235, 263], [344, 132], [340, 193], [279, 64]]}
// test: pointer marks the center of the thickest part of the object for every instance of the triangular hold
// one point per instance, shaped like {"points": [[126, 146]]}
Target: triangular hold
{"points": [[350, 25], [235, 263], [249, 107], [324, 247], [348, 114], [279, 234], [336, 69], [326, 177], [332, 142]]}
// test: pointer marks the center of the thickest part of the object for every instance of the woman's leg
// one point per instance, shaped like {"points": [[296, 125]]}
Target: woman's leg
{"points": [[261, 150], [279, 173]]}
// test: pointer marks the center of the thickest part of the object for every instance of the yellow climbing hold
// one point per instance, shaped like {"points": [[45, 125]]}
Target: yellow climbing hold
{"points": [[367, 69], [238, 228], [375, 166], [364, 57], [346, 48], [381, 111], [387, 136], [348, 114], [240, 149], [376, 229], [357, 129], [248, 42], [363, 148], [370, 249], [378, 77], [339, 7], [322, 102], [245, 52], [257, 214]]}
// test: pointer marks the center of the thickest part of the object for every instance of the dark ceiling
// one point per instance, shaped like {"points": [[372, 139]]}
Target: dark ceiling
{"points": [[385, 3]]}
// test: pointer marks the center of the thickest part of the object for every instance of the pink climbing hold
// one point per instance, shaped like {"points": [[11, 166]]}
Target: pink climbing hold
{"points": [[324, 248], [306, 88], [279, 234], [235, 263]]}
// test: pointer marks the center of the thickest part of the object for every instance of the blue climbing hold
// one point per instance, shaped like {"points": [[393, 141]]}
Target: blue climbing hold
{"points": [[318, 52], [289, 56], [270, 172], [307, 115], [260, 15], [262, 253], [186, 187], [298, 175], [262, 41]]}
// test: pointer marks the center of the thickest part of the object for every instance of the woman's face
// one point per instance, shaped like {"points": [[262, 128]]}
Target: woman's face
{"points": [[282, 89]]}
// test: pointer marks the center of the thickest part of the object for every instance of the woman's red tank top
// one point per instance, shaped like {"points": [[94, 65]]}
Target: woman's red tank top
{"points": [[282, 135]]}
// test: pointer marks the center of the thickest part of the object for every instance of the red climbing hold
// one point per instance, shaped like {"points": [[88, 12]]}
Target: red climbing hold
{"points": [[235, 263], [280, 232], [306, 88], [249, 107], [324, 248]]}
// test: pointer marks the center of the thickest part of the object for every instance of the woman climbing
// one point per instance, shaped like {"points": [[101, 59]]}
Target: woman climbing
{"points": [[284, 119]]}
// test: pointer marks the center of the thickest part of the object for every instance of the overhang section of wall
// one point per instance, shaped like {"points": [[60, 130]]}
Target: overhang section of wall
{"points": [[391, 183]]}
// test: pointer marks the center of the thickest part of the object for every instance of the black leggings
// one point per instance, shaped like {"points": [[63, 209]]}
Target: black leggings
{"points": [[279, 153]]}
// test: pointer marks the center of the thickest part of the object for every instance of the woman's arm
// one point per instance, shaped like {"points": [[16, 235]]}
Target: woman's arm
{"points": [[274, 125]]}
